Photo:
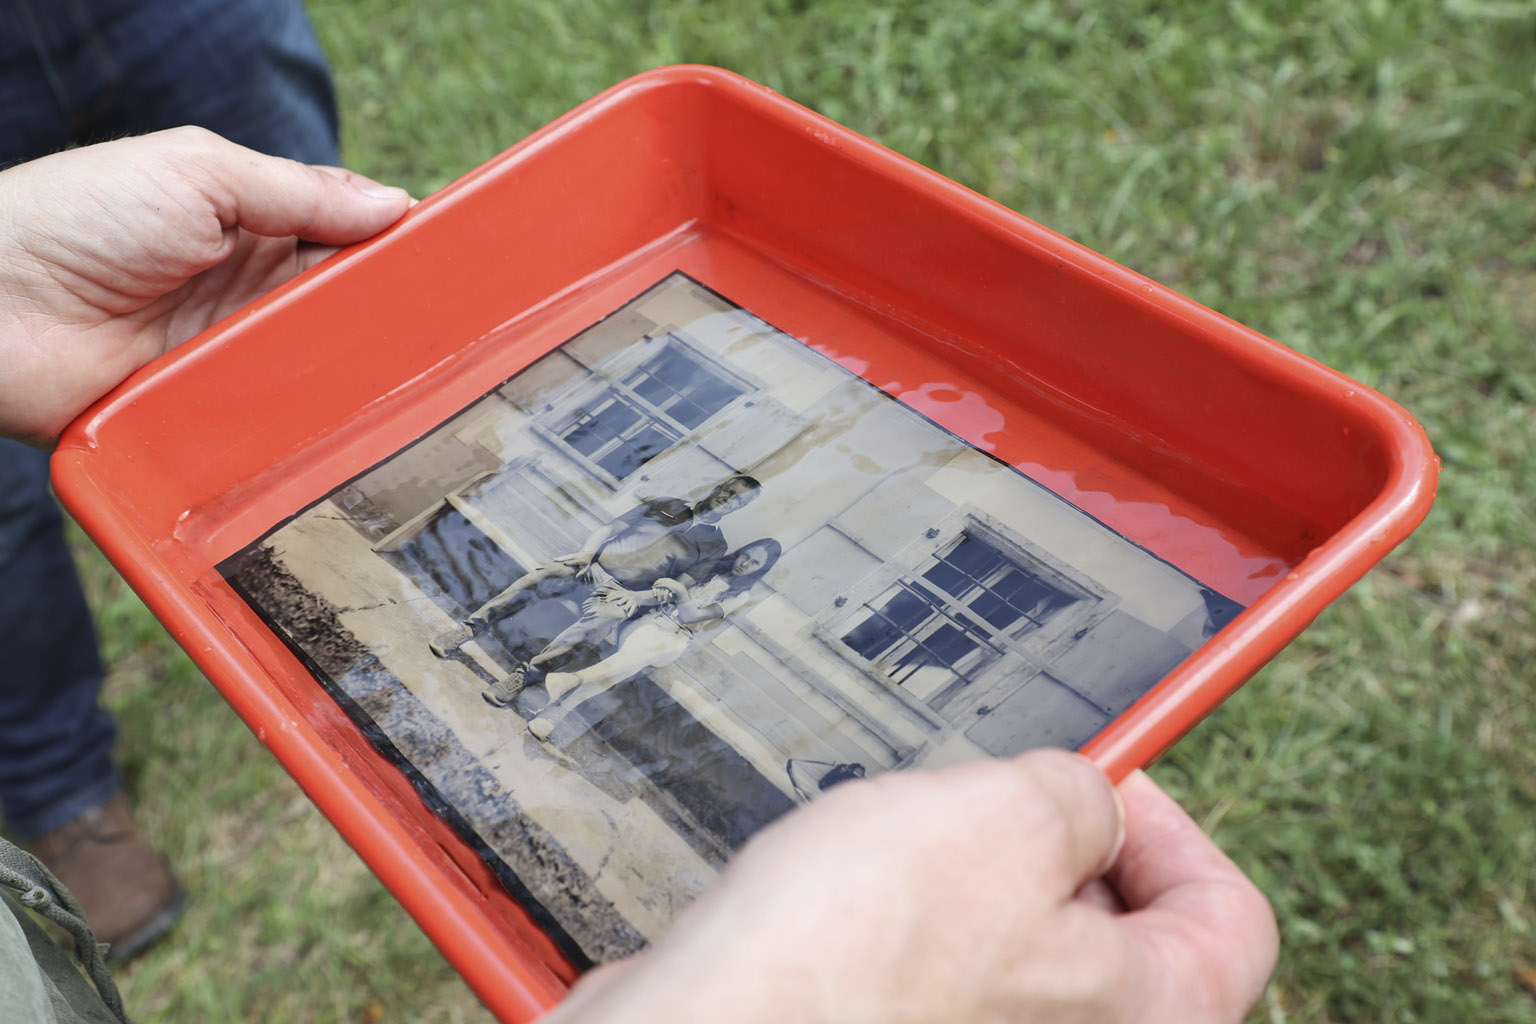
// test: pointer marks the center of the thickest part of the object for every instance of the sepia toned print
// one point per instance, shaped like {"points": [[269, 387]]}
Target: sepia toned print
{"points": [[683, 573]]}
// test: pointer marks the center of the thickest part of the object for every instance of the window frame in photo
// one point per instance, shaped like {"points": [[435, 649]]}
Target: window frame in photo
{"points": [[612, 377], [1019, 653]]}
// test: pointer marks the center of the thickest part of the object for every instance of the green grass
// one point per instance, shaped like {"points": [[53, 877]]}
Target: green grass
{"points": [[1357, 180]]}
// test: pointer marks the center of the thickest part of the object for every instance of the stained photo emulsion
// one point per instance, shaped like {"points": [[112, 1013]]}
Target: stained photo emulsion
{"points": [[683, 573]]}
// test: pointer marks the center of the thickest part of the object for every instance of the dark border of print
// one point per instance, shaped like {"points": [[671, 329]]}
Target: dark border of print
{"points": [[261, 583]]}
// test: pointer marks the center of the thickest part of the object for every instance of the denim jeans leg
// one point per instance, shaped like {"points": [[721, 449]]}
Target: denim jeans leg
{"points": [[250, 70], [55, 741], [83, 71], [33, 117], [89, 70]]}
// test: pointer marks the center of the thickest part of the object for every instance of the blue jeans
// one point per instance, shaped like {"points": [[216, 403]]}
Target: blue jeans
{"points": [[79, 71]]}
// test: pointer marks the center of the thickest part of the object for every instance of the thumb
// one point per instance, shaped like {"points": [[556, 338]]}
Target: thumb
{"points": [[276, 197], [1080, 820]]}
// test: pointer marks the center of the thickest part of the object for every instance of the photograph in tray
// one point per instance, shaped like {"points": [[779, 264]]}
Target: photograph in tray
{"points": [[682, 574]]}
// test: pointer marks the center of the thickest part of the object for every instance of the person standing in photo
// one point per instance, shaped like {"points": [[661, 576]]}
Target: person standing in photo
{"points": [[677, 615], [658, 538]]}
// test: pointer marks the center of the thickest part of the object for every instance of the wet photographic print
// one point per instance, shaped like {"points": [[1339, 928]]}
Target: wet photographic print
{"points": [[682, 574]]}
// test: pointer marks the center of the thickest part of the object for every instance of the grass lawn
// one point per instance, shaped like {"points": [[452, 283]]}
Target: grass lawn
{"points": [[1357, 180]]}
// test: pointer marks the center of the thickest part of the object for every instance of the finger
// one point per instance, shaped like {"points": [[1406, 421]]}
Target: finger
{"points": [[602, 993], [340, 173], [939, 881], [1088, 806], [1099, 893], [1055, 805], [360, 181], [1206, 934], [1146, 870], [276, 197]]}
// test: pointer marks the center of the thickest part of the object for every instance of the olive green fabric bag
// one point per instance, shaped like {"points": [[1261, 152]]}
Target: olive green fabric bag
{"points": [[38, 980]]}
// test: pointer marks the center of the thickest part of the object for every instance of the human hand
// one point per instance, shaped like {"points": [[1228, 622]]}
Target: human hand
{"points": [[990, 891], [666, 591], [612, 601], [577, 564], [111, 255]]}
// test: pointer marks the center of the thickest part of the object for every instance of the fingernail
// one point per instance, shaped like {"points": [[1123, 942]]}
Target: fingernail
{"points": [[373, 190]]}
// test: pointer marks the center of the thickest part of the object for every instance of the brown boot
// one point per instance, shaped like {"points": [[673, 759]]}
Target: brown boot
{"points": [[128, 894]]}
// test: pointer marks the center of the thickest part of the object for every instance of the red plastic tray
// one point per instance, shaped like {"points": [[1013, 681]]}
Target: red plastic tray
{"points": [[1253, 469]]}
